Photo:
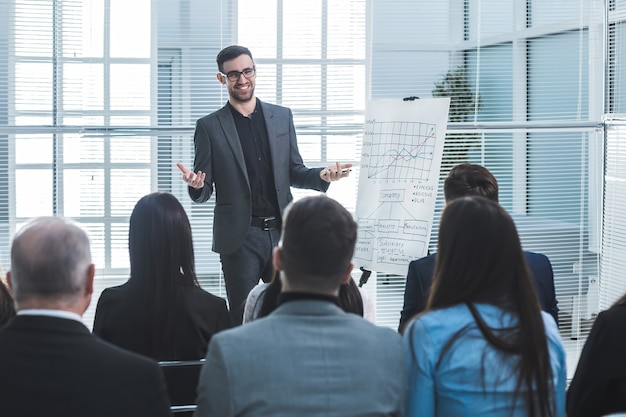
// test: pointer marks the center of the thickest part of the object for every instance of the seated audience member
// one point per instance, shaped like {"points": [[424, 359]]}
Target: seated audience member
{"points": [[51, 365], [483, 347], [599, 384], [308, 357], [466, 180], [263, 299], [161, 311]]}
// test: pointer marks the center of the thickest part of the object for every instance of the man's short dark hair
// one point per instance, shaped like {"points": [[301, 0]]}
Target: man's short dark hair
{"points": [[231, 52], [470, 179], [318, 240]]}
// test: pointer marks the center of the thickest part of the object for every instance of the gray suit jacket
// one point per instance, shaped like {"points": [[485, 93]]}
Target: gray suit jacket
{"points": [[307, 358], [218, 153]]}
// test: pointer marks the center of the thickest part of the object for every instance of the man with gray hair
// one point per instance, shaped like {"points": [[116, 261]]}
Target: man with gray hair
{"points": [[50, 364]]}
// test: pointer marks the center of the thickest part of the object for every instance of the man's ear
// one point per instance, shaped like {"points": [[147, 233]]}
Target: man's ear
{"points": [[276, 259], [348, 275], [9, 282], [220, 78], [91, 272], [86, 298]]}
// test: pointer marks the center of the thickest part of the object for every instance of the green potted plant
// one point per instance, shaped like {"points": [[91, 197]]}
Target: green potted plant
{"points": [[463, 103]]}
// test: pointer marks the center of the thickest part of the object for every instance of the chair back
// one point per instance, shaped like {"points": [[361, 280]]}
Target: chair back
{"points": [[181, 378]]}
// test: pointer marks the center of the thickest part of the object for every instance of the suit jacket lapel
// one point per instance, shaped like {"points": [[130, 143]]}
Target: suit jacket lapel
{"points": [[232, 138], [276, 151]]}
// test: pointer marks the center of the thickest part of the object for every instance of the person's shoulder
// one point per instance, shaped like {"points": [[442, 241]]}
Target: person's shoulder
{"points": [[364, 332], [258, 289], [113, 293], [213, 115], [614, 316], [273, 107], [445, 320], [425, 260], [422, 268], [117, 288], [203, 294], [555, 343], [536, 258], [549, 323]]}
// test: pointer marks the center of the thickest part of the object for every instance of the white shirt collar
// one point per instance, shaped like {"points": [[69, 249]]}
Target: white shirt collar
{"points": [[50, 313]]}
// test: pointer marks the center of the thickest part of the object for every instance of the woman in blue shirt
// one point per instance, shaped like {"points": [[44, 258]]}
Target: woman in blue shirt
{"points": [[483, 347]]}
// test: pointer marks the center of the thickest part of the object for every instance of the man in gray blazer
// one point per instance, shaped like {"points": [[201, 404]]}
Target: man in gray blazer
{"points": [[308, 357], [247, 150]]}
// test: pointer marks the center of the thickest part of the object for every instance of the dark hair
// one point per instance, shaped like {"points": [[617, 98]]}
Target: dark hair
{"points": [[480, 260], [350, 299], [318, 240], [161, 262], [470, 179], [231, 52], [7, 307]]}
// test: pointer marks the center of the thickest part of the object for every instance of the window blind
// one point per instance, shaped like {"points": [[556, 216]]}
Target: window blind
{"points": [[612, 282], [98, 101], [526, 85]]}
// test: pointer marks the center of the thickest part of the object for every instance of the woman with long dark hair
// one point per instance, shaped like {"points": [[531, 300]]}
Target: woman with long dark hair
{"points": [[483, 347], [599, 384], [161, 311]]}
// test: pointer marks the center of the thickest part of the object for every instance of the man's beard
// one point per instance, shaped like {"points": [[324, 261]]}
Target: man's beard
{"points": [[242, 96]]}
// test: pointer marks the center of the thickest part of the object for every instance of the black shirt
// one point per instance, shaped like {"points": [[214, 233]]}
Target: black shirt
{"points": [[285, 297], [256, 152]]}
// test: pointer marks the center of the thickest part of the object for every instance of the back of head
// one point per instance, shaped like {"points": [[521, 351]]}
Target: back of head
{"points": [[160, 242], [50, 259], [231, 52], [317, 243], [479, 257], [470, 179]]}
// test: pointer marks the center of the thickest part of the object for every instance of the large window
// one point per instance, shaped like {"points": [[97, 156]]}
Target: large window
{"points": [[98, 101], [612, 283], [75, 70], [535, 70]]}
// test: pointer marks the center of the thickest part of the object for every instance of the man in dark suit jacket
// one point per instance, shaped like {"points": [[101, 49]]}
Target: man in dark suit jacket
{"points": [[247, 150], [465, 180], [50, 364], [598, 387]]}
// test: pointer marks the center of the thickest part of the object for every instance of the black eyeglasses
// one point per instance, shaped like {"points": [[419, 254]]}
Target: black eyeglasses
{"points": [[233, 76]]}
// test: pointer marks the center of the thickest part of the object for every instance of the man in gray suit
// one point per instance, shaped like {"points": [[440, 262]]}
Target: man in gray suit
{"points": [[247, 150], [308, 357]]}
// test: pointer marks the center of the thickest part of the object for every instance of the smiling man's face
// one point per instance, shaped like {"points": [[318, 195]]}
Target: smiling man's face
{"points": [[241, 90]]}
